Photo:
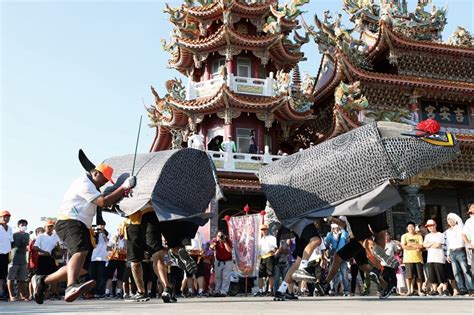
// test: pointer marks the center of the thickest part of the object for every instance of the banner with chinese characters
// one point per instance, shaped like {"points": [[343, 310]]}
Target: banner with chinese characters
{"points": [[446, 112], [244, 233]]}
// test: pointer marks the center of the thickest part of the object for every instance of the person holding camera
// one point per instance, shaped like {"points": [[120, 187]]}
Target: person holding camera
{"points": [[222, 264], [99, 259]]}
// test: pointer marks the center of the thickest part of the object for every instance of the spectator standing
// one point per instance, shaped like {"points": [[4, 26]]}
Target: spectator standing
{"points": [[391, 248], [18, 268], [6, 239], [412, 244], [433, 242], [196, 252], [45, 243], [268, 246], [281, 258], [99, 260], [33, 258], [229, 145], [196, 141], [336, 239], [223, 264], [468, 234], [252, 143], [457, 254], [117, 248]]}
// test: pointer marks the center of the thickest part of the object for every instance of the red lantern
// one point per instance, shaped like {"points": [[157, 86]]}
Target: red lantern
{"points": [[246, 209]]}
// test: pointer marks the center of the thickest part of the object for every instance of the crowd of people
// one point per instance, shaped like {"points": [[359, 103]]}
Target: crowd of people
{"points": [[427, 262]]}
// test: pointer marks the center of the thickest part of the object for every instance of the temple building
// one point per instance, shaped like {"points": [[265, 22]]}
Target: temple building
{"points": [[240, 58]]}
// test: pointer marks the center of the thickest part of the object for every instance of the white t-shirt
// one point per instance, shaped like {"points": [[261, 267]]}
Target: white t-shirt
{"points": [[435, 255], [6, 239], [468, 229], [196, 243], [454, 238], [78, 203], [267, 244], [196, 142], [100, 251], [47, 242]]}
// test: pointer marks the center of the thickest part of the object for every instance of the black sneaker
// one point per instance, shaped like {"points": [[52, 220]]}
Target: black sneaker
{"points": [[290, 296], [321, 288], [258, 293], [376, 277], [77, 289], [166, 295], [387, 292], [189, 263], [39, 288], [173, 298], [303, 275], [139, 297], [279, 296]]}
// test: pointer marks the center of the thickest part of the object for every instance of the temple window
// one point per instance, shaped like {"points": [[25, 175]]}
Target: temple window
{"points": [[243, 67], [243, 139], [216, 64]]}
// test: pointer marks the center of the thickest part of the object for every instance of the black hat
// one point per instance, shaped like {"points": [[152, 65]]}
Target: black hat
{"points": [[85, 162]]}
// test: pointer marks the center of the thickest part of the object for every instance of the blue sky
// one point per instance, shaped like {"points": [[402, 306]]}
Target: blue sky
{"points": [[73, 75]]}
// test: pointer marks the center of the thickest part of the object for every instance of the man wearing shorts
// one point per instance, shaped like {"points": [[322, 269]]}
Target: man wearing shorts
{"points": [[77, 211], [306, 243], [143, 234], [412, 244], [362, 230], [18, 268]]}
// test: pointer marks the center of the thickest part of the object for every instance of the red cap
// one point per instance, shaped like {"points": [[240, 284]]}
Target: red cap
{"points": [[106, 170], [6, 213], [50, 222]]}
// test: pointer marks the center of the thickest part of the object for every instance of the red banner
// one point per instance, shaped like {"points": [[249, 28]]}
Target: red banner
{"points": [[244, 234]]}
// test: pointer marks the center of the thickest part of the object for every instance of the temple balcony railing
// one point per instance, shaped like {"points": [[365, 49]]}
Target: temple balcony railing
{"points": [[241, 162], [242, 85]]}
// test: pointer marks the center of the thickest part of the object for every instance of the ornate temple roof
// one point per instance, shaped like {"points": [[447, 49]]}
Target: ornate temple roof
{"points": [[226, 99], [388, 38], [228, 41]]}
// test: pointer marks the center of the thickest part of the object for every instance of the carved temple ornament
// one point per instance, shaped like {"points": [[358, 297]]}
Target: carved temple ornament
{"points": [[392, 57], [194, 119], [229, 51], [266, 117], [258, 23], [177, 138], [228, 114], [286, 128], [263, 55], [199, 59], [203, 26]]}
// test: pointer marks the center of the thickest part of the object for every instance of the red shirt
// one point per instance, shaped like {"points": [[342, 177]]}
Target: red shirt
{"points": [[33, 256], [221, 253]]}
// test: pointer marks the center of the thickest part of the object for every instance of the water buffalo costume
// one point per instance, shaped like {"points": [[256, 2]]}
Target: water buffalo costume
{"points": [[173, 191], [353, 174]]}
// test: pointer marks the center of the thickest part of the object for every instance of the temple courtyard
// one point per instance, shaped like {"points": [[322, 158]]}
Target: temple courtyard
{"points": [[251, 305]]}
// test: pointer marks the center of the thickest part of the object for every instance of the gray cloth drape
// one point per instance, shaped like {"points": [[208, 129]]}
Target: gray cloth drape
{"points": [[178, 183], [348, 174]]}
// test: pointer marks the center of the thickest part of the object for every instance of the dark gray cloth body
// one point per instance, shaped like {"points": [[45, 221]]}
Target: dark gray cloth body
{"points": [[179, 183], [348, 175]]}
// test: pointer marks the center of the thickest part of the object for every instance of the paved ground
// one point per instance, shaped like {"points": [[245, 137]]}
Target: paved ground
{"points": [[250, 305]]}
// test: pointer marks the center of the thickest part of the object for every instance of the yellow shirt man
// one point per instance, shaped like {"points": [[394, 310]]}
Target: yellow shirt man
{"points": [[412, 255]]}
